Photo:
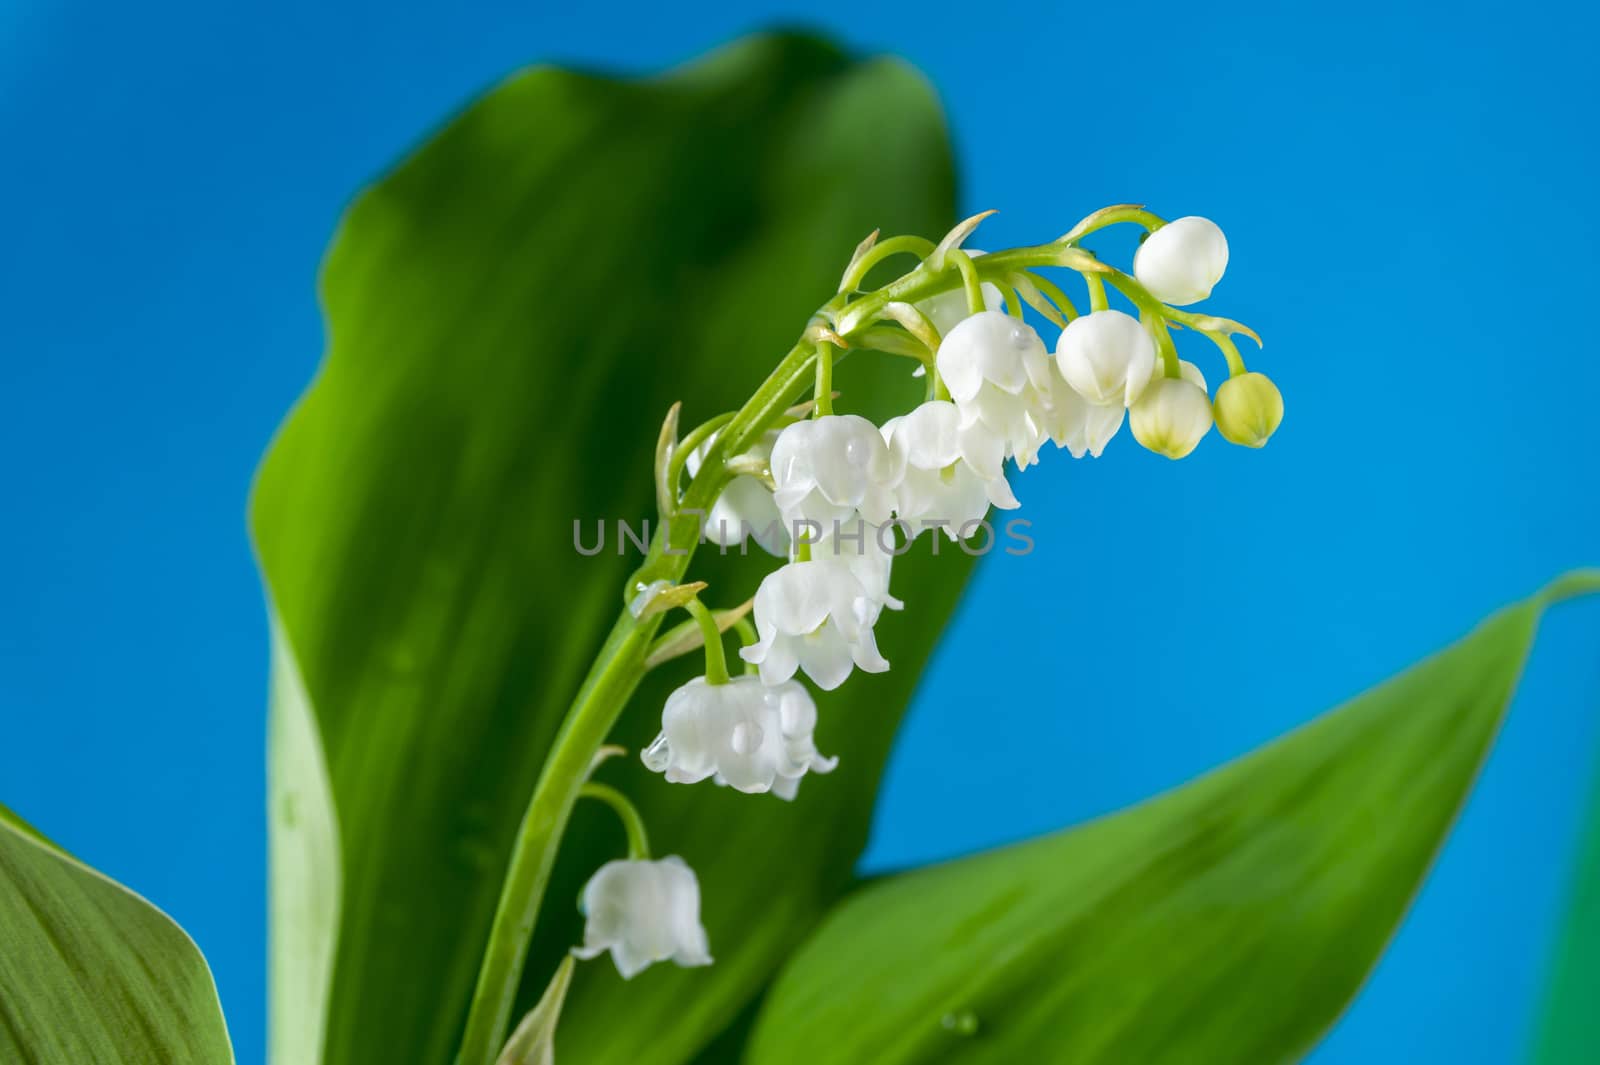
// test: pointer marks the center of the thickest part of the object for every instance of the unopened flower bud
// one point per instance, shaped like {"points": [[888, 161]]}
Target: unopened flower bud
{"points": [[1173, 413], [1182, 261], [1248, 409]]}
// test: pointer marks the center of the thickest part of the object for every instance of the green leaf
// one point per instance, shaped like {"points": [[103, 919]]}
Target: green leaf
{"points": [[1229, 920], [303, 845], [91, 972], [511, 313], [1568, 1034]]}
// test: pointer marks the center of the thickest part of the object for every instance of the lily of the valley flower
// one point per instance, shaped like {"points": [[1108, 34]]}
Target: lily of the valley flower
{"points": [[644, 912], [1181, 262], [817, 616], [1248, 409], [934, 486], [1173, 413], [1107, 357], [746, 734], [746, 506], [827, 469], [1083, 428], [998, 374]]}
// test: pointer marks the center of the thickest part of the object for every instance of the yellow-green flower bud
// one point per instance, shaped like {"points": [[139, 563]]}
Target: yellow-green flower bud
{"points": [[1172, 414], [1248, 409]]}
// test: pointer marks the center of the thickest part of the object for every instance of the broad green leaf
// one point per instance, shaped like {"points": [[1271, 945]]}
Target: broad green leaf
{"points": [[1568, 1033], [1230, 920], [510, 315], [91, 972]]}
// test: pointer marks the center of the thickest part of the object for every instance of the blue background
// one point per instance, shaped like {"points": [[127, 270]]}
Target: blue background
{"points": [[1408, 197]]}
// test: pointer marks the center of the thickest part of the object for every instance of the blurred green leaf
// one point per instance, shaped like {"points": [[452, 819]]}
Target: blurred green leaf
{"points": [[91, 972], [1230, 920], [1569, 1033], [511, 312]]}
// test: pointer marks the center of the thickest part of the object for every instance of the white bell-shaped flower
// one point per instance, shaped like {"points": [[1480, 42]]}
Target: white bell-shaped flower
{"points": [[746, 507], [866, 550], [826, 469], [1173, 414], [644, 912], [746, 734], [1182, 261], [1107, 357], [998, 374], [935, 487], [1083, 428], [817, 616]]}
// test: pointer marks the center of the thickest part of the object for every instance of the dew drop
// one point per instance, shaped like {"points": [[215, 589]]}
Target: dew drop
{"points": [[961, 1022]]}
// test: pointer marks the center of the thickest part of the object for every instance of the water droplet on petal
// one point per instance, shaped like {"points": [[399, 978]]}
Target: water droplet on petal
{"points": [[656, 756]]}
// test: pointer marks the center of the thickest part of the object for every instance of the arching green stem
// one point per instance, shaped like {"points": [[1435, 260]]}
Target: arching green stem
{"points": [[1110, 216], [627, 813], [969, 280], [1013, 301], [686, 447], [716, 654], [1097, 292], [918, 246]]}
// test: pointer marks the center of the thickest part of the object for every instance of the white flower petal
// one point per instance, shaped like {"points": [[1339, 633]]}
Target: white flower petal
{"points": [[998, 490], [747, 509], [826, 656], [794, 598], [930, 436], [1083, 428], [866, 654], [983, 450]]}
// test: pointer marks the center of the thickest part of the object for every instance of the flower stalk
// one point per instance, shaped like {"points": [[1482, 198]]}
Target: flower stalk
{"points": [[627, 813], [716, 654]]}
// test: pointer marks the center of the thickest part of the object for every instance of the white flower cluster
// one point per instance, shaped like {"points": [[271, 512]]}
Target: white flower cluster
{"points": [[838, 483]]}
